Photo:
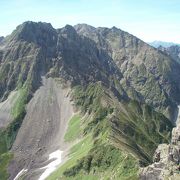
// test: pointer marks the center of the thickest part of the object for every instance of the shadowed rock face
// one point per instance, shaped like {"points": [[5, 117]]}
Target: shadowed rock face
{"points": [[126, 66]]}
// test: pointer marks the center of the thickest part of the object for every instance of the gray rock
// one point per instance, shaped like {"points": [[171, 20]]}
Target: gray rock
{"points": [[168, 157]]}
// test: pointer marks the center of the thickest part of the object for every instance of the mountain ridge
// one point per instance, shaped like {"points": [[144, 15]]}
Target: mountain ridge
{"points": [[156, 44], [109, 74], [131, 55]]}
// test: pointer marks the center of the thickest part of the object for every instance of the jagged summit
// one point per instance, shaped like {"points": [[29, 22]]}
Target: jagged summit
{"points": [[33, 32], [30, 25], [69, 31], [84, 27]]}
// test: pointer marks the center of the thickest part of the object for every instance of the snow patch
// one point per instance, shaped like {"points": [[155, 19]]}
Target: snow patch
{"points": [[178, 116], [20, 173], [179, 55], [52, 165]]}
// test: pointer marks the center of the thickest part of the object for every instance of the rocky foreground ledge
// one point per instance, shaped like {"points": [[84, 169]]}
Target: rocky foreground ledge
{"points": [[166, 160]]}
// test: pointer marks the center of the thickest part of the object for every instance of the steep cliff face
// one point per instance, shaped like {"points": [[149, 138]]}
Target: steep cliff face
{"points": [[125, 91], [80, 60]]}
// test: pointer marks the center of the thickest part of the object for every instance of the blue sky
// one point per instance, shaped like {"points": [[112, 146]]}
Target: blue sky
{"points": [[147, 19]]}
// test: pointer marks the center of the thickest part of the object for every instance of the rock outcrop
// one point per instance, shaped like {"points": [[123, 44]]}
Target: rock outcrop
{"points": [[166, 160]]}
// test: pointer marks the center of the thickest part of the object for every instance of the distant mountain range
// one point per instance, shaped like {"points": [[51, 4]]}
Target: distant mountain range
{"points": [[172, 51], [156, 44], [169, 48]]}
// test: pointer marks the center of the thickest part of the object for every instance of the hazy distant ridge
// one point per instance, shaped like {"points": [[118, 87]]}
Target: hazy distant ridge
{"points": [[161, 43]]}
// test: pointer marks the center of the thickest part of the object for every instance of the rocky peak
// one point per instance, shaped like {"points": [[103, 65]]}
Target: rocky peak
{"points": [[84, 28], [26, 52], [39, 33], [87, 31], [166, 159], [113, 39], [81, 58], [68, 31]]}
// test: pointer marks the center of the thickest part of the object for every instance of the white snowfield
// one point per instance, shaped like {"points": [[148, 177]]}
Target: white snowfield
{"points": [[52, 166], [178, 117], [20, 173]]}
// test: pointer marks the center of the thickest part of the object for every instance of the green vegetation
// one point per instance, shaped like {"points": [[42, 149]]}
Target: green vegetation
{"points": [[76, 153], [140, 129], [4, 161], [88, 160], [8, 135], [18, 112], [73, 130], [5, 68], [105, 161], [3, 146], [92, 100], [93, 157], [89, 98], [115, 127]]}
